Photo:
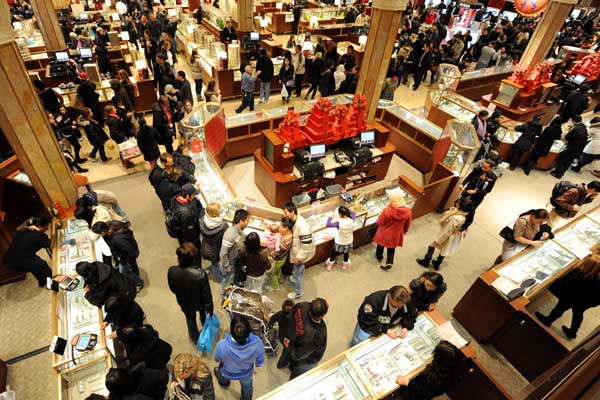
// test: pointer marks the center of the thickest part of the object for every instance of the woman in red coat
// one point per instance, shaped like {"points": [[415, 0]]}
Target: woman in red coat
{"points": [[392, 224]]}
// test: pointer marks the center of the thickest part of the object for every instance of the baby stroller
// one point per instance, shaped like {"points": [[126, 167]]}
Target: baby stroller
{"points": [[250, 305]]}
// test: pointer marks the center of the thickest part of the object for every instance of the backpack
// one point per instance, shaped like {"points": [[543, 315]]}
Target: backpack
{"points": [[170, 223], [559, 189]]}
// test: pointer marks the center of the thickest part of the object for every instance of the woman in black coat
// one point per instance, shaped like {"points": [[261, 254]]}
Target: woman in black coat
{"points": [[314, 75], [102, 281], [21, 254], [427, 290], [148, 139], [95, 134], [579, 291], [122, 311], [115, 124], [544, 143], [137, 383], [163, 122], [529, 131], [327, 83], [286, 77], [142, 344]]}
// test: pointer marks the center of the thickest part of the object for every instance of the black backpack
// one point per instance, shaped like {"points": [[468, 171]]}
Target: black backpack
{"points": [[559, 189], [170, 223]]}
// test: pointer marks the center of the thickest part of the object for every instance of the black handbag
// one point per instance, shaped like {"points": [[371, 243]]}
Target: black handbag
{"points": [[508, 234]]}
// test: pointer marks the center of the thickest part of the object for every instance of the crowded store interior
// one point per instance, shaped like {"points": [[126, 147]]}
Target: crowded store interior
{"points": [[299, 199]]}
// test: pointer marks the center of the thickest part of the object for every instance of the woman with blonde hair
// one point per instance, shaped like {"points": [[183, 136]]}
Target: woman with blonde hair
{"points": [[192, 379], [579, 291]]}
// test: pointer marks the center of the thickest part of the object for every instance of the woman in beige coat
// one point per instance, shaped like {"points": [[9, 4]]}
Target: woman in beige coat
{"points": [[450, 237]]}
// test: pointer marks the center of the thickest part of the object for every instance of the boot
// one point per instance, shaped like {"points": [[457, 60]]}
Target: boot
{"points": [[427, 259], [329, 264], [436, 264], [570, 333], [543, 319], [346, 265]]}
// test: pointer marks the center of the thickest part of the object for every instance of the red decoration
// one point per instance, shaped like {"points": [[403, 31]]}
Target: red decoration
{"points": [[530, 7], [289, 130], [588, 66], [318, 126], [533, 80]]}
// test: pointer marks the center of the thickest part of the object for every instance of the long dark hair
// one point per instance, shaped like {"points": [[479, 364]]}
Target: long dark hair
{"points": [[446, 367], [252, 243]]}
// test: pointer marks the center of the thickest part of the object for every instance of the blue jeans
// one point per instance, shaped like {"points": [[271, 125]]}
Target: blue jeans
{"points": [[245, 383], [265, 90], [299, 369], [117, 209], [298, 275], [359, 336], [227, 278]]}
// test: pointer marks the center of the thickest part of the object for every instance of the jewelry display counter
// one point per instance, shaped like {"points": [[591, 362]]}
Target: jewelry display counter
{"points": [[490, 316], [369, 369], [474, 84], [453, 105], [506, 136], [79, 373]]}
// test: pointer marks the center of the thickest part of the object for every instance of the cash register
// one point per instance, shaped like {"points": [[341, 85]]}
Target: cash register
{"points": [[359, 148], [58, 66], [307, 161]]}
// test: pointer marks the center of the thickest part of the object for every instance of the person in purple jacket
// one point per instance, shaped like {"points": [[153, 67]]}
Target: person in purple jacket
{"points": [[237, 354]]}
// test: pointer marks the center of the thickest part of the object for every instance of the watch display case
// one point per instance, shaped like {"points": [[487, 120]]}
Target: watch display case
{"points": [[321, 14], [509, 136], [485, 72], [80, 382], [463, 147], [580, 238], [215, 16], [459, 107], [538, 264]]}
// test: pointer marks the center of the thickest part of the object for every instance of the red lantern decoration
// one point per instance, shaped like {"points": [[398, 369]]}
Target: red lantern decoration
{"points": [[530, 8]]}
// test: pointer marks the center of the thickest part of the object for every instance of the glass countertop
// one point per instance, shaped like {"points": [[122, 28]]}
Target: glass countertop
{"points": [[420, 123]]}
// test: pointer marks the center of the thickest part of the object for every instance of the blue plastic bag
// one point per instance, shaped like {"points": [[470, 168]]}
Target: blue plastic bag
{"points": [[208, 334]]}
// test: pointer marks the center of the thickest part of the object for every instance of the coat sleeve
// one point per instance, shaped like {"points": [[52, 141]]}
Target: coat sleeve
{"points": [[208, 390], [409, 320], [226, 245], [367, 316], [568, 199]]}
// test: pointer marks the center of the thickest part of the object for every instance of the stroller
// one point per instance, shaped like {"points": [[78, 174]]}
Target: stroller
{"points": [[251, 305]]}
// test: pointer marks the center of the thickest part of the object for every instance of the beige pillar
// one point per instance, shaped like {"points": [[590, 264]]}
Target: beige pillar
{"points": [[25, 125], [385, 21], [245, 11], [60, 4], [543, 37], [45, 16]]}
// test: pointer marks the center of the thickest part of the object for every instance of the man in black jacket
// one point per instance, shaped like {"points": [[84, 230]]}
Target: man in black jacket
{"points": [[575, 103], [265, 65], [156, 174], [187, 210], [382, 312], [306, 338], [161, 72], [182, 159], [576, 140], [190, 285]]}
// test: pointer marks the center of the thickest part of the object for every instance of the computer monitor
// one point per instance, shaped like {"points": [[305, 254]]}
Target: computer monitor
{"points": [[509, 15], [575, 13], [83, 17], [367, 138], [85, 53], [61, 56], [579, 79], [254, 36], [317, 151]]}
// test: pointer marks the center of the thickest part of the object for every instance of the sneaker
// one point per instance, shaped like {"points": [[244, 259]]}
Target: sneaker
{"points": [[346, 265], [329, 264], [293, 295]]}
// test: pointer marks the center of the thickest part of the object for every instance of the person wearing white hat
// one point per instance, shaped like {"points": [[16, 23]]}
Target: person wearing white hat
{"points": [[392, 225]]}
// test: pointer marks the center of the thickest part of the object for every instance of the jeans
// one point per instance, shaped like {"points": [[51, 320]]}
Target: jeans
{"points": [[192, 324], [298, 275], [119, 211], [390, 254], [245, 383], [359, 335], [227, 279], [254, 283], [265, 90], [299, 369], [247, 101], [298, 78]]}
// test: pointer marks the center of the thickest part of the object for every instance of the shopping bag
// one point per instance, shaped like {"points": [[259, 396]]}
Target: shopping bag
{"points": [[284, 92], [209, 334], [129, 149]]}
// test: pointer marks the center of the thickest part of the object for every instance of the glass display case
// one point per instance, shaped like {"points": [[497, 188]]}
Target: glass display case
{"points": [[415, 121], [321, 14], [507, 93], [459, 107], [483, 72], [80, 382], [448, 76], [463, 147], [508, 135], [538, 264], [215, 16], [581, 237]]}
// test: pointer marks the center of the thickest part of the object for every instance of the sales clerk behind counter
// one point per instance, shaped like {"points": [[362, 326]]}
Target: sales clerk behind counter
{"points": [[382, 311]]}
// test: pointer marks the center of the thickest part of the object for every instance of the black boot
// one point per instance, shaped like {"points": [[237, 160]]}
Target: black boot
{"points": [[436, 264], [543, 319], [427, 259], [570, 333]]}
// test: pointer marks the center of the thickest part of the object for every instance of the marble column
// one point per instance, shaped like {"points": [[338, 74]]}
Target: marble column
{"points": [[45, 16], [385, 21], [25, 125], [543, 37], [245, 16]]}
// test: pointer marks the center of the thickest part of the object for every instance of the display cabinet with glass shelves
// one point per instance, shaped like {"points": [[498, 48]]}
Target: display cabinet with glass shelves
{"points": [[447, 78], [463, 147], [453, 106], [475, 84]]}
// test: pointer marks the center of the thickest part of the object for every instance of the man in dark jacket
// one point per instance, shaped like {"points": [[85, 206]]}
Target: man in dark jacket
{"points": [[423, 64], [575, 103], [86, 91], [576, 140], [265, 65], [182, 159], [102, 281], [306, 338], [382, 312], [187, 210], [190, 285], [568, 204], [529, 131], [163, 122], [185, 89], [137, 382], [142, 344], [156, 174], [161, 72], [155, 26]]}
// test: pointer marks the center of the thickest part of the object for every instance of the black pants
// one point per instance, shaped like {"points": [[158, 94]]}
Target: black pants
{"points": [[515, 156], [334, 255], [38, 268], [585, 159], [563, 162], [289, 90], [76, 146], [198, 88], [284, 359], [419, 75], [298, 79], [560, 308], [313, 89], [390, 254], [247, 101], [192, 322], [532, 162], [98, 149]]}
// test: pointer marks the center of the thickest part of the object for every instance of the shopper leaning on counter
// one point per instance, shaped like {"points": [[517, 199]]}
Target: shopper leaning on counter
{"points": [[392, 225], [102, 281], [383, 311], [143, 344], [528, 230], [303, 248], [137, 382], [427, 290], [191, 377]]}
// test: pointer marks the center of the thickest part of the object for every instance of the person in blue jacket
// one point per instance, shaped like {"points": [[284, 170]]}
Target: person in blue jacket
{"points": [[237, 354]]}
